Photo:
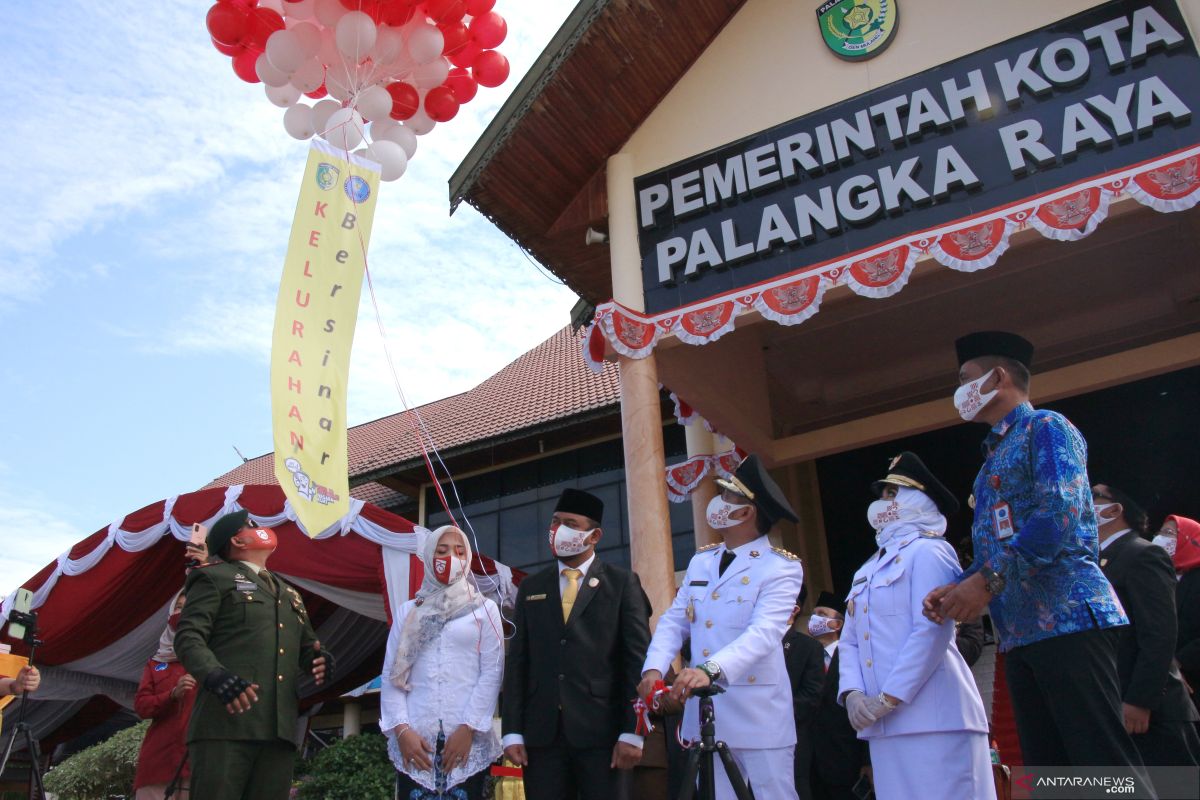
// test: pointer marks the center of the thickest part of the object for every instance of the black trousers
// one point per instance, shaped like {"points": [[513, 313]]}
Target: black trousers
{"points": [[1168, 743], [472, 787], [562, 772], [1067, 701]]}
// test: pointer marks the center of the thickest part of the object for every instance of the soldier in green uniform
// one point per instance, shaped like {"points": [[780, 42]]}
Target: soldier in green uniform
{"points": [[246, 637]]}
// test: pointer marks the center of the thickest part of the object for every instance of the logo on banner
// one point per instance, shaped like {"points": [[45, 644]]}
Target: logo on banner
{"points": [[858, 29], [357, 189], [327, 176]]}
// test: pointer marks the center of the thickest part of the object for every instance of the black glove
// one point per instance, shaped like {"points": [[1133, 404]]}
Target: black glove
{"points": [[225, 685]]}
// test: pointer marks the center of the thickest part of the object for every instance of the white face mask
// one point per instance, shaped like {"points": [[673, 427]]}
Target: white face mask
{"points": [[819, 626], [566, 542], [718, 513], [968, 399], [882, 512], [1165, 542], [1103, 507]]}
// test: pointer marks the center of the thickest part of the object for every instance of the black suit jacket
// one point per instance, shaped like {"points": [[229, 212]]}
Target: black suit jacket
{"points": [[1144, 578], [589, 666], [805, 661], [1187, 606], [838, 753]]}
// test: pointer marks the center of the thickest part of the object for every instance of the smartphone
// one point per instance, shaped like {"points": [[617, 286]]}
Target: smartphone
{"points": [[22, 602], [199, 535]]}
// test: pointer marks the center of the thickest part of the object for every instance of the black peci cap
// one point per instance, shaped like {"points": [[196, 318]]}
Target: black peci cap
{"points": [[752, 482], [908, 470], [577, 501], [830, 600], [225, 529], [994, 343]]}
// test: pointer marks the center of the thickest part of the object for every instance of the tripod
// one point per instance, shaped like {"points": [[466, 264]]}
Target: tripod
{"points": [[700, 755], [22, 727]]}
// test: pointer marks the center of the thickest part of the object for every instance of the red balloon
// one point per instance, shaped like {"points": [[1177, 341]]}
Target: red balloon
{"points": [[489, 30], [246, 5], [462, 84], [441, 104], [227, 49], [490, 68], [405, 100], [317, 93], [454, 35], [398, 13], [477, 8], [465, 55], [262, 23], [226, 24], [243, 66], [442, 11]]}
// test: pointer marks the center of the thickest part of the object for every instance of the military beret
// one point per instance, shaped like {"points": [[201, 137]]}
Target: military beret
{"points": [[225, 529]]}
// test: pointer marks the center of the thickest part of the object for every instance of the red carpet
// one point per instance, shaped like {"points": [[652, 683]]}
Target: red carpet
{"points": [[1004, 724]]}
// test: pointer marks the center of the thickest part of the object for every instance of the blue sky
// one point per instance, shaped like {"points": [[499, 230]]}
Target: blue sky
{"points": [[151, 194]]}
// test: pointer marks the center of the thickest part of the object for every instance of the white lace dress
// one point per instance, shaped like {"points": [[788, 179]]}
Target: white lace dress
{"points": [[455, 679]]}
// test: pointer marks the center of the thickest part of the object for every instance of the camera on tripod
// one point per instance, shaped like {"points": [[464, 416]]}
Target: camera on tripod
{"points": [[23, 625]]}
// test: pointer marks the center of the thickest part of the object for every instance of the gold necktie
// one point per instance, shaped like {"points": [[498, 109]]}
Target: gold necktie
{"points": [[269, 580], [568, 598]]}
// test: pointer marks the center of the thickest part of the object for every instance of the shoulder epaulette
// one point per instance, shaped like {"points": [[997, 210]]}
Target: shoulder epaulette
{"points": [[708, 547], [779, 551], [208, 564]]}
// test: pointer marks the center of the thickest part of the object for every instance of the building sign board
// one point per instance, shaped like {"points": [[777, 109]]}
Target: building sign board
{"points": [[1109, 88]]}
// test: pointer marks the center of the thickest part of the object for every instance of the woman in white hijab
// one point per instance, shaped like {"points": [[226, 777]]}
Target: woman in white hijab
{"points": [[441, 677], [905, 686]]}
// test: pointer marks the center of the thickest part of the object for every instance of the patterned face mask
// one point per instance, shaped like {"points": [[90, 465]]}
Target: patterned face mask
{"points": [[718, 513], [1166, 542], [969, 400], [819, 626], [566, 542]]}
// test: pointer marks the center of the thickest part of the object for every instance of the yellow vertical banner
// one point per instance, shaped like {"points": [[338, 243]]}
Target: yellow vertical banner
{"points": [[314, 330]]}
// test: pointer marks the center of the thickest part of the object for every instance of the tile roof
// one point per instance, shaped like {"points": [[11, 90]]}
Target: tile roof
{"points": [[548, 383]]}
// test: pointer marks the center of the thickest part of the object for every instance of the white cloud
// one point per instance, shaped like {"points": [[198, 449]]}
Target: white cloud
{"points": [[32, 538]]}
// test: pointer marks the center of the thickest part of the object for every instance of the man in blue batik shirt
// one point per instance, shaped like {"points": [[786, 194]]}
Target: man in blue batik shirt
{"points": [[1037, 565]]}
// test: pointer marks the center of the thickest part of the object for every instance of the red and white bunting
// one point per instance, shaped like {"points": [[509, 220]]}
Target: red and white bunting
{"points": [[682, 479], [1170, 183]]}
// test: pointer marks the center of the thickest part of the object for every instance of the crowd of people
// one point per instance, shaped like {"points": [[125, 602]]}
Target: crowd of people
{"points": [[1099, 626]]}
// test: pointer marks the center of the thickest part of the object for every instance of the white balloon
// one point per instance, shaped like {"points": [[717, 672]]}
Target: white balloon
{"points": [[420, 122], [425, 43], [432, 74], [269, 74], [389, 45], [380, 127], [274, 5], [283, 96], [310, 76], [374, 103], [401, 135], [336, 83], [298, 9], [284, 51], [328, 12], [390, 157], [344, 130], [322, 111], [309, 37], [298, 122], [356, 35]]}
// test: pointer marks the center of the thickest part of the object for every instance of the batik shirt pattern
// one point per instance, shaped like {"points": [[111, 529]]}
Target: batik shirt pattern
{"points": [[1036, 463]]}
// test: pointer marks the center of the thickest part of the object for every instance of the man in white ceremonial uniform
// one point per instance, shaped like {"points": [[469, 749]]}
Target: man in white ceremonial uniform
{"points": [[907, 690], [734, 605]]}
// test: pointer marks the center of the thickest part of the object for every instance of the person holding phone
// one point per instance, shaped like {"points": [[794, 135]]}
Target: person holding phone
{"points": [[165, 696]]}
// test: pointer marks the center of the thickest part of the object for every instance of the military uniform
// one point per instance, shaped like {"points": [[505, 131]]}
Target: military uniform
{"points": [[237, 620], [738, 619]]}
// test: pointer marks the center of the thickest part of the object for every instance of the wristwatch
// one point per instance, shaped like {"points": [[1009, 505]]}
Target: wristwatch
{"points": [[712, 669], [993, 580]]}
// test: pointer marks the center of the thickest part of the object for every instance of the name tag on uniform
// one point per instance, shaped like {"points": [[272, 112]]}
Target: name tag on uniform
{"points": [[533, 597], [697, 583], [245, 586], [863, 579], [1002, 520]]}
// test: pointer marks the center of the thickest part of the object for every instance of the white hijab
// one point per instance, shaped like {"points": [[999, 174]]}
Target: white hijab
{"points": [[918, 513], [166, 642], [436, 604]]}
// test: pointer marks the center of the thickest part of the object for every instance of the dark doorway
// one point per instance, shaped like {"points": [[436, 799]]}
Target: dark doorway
{"points": [[1143, 437]]}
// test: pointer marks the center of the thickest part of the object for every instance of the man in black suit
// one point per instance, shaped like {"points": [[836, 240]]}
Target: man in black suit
{"points": [[1159, 715], [805, 661], [838, 757], [574, 662]]}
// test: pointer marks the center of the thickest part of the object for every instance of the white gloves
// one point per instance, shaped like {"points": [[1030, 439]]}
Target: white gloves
{"points": [[865, 711]]}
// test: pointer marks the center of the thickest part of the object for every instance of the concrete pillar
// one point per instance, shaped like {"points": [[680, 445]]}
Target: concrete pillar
{"points": [[701, 442], [351, 719], [641, 415]]}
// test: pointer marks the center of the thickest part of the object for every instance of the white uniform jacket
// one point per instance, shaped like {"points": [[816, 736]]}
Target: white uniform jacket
{"points": [[737, 620], [888, 645]]}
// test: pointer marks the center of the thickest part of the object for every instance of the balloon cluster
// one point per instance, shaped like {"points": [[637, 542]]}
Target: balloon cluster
{"points": [[401, 65]]}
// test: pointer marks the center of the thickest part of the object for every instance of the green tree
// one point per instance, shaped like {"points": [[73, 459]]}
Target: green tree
{"points": [[101, 770], [356, 768]]}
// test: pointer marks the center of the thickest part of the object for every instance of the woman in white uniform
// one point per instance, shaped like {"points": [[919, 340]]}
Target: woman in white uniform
{"points": [[442, 675], [907, 690]]}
